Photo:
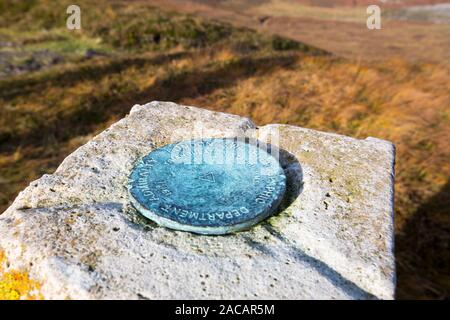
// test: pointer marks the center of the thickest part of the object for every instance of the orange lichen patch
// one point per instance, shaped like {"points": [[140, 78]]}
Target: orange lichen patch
{"points": [[15, 285], [2, 260]]}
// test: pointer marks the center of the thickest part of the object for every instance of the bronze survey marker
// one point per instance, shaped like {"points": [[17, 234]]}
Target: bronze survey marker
{"points": [[209, 186]]}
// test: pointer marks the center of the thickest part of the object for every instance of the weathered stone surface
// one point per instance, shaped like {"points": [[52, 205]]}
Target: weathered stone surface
{"points": [[75, 232]]}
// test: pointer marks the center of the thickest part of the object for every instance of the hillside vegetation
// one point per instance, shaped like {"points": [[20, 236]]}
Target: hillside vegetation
{"points": [[58, 88]]}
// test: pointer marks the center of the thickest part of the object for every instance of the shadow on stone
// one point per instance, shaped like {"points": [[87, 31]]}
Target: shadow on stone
{"points": [[294, 178], [293, 172], [294, 187], [339, 281]]}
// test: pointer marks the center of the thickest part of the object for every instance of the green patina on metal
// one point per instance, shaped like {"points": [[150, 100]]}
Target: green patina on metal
{"points": [[208, 186]]}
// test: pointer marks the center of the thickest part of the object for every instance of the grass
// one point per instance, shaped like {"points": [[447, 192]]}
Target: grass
{"points": [[294, 9], [144, 54]]}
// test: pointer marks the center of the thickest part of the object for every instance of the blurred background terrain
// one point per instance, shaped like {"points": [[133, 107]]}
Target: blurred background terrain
{"points": [[308, 63]]}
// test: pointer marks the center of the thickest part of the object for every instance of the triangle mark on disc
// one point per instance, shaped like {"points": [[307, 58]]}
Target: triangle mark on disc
{"points": [[208, 177]]}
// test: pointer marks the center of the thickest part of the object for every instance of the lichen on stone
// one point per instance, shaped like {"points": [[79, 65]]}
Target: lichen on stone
{"points": [[17, 285]]}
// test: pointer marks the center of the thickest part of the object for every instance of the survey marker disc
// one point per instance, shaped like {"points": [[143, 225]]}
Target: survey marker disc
{"points": [[208, 186]]}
